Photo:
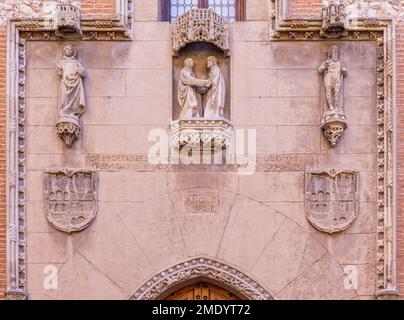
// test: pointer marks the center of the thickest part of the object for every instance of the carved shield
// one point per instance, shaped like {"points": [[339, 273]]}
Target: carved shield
{"points": [[331, 199], [70, 198]]}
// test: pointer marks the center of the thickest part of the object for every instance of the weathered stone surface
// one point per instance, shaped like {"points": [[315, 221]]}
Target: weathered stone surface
{"points": [[151, 217], [202, 215], [311, 283], [257, 10], [256, 220], [60, 247], [113, 250], [161, 241], [275, 111], [79, 279], [290, 252], [255, 83]]}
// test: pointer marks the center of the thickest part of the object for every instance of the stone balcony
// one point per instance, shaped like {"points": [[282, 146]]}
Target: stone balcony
{"points": [[206, 134]]}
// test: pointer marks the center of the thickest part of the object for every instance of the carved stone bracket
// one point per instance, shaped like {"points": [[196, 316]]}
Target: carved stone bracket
{"points": [[201, 133], [70, 198], [200, 25], [201, 267], [333, 125], [68, 130], [332, 200]]}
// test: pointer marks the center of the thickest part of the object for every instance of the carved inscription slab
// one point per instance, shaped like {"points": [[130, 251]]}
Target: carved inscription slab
{"points": [[70, 198], [140, 162], [331, 199], [202, 202]]}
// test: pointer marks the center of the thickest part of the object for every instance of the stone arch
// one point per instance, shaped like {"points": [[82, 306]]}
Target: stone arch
{"points": [[203, 268]]}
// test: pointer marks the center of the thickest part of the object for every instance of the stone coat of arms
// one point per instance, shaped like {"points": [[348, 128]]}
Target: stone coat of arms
{"points": [[331, 199], [70, 198]]}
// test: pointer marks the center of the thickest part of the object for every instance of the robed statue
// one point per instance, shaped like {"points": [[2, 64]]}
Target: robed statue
{"points": [[71, 101], [188, 99]]}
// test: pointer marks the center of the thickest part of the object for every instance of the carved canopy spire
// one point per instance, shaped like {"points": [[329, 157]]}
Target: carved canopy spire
{"points": [[67, 19], [200, 25]]}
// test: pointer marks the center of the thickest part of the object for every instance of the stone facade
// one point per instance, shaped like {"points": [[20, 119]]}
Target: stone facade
{"points": [[170, 222]]}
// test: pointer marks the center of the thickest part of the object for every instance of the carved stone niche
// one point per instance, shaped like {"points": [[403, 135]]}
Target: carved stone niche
{"points": [[67, 20], [334, 23], [70, 198], [201, 81], [331, 199]]}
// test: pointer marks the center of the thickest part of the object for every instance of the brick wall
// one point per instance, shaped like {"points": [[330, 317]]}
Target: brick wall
{"points": [[400, 158], [98, 7], [305, 8]]}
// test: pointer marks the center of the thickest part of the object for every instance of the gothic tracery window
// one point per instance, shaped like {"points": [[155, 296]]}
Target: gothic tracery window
{"points": [[230, 9]]}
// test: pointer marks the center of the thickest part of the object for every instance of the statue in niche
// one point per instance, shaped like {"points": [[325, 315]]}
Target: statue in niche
{"points": [[188, 99], [71, 102], [333, 72], [216, 95], [192, 91]]}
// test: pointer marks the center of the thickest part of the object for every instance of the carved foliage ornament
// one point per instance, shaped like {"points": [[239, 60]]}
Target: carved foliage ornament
{"points": [[201, 267], [70, 198], [200, 25], [331, 200]]}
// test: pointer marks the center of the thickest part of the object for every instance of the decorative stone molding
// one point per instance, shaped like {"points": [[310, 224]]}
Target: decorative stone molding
{"points": [[334, 21], [332, 199], [20, 30], [28, 9], [67, 19], [201, 133], [201, 267], [41, 21], [70, 198], [381, 31], [200, 25]]}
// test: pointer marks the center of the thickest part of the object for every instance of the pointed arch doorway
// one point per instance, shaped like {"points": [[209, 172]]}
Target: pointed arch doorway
{"points": [[179, 282], [201, 290]]}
